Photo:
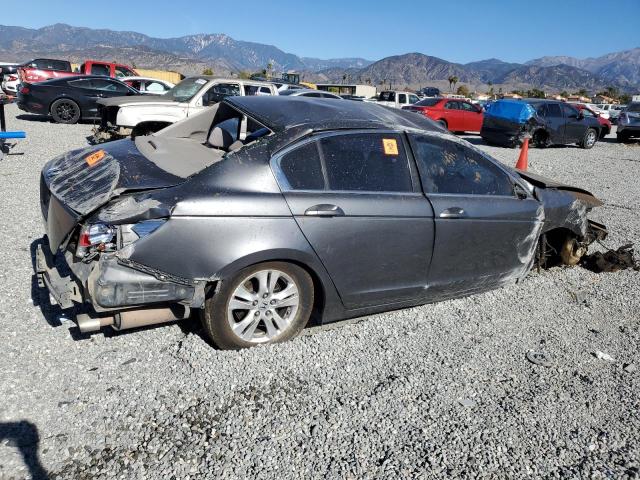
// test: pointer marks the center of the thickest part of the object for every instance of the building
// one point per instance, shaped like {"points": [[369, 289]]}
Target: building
{"points": [[604, 99], [514, 96], [366, 91], [578, 99]]}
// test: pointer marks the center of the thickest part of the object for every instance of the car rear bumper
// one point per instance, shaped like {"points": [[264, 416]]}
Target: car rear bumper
{"points": [[64, 289], [629, 130]]}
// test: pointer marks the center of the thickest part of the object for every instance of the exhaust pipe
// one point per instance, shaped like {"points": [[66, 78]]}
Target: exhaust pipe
{"points": [[133, 318]]}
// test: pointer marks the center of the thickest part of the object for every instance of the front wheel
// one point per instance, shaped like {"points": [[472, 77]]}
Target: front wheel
{"points": [[590, 138], [65, 111], [442, 123], [261, 304]]}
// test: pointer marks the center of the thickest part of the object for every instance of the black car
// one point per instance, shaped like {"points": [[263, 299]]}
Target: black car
{"points": [[263, 212], [70, 99], [629, 122], [554, 123]]}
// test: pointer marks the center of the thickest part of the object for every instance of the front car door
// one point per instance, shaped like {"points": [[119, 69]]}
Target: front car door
{"points": [[554, 121], [356, 198], [575, 124], [214, 94], [472, 117], [485, 234]]}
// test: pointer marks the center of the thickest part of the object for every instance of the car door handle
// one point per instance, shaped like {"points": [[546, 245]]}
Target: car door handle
{"points": [[453, 212], [324, 210]]}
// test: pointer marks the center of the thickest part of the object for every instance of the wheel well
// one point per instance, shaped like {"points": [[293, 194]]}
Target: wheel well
{"points": [[319, 294], [551, 243], [442, 120], [152, 126]]}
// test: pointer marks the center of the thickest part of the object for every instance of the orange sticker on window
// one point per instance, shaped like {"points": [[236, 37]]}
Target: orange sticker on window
{"points": [[95, 157], [390, 146]]}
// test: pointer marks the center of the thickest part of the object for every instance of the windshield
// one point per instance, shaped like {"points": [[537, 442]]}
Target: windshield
{"points": [[634, 107], [186, 89], [428, 102]]}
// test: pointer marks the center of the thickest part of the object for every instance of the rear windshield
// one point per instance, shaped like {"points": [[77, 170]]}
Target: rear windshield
{"points": [[634, 107], [48, 64], [428, 102], [186, 89], [387, 97]]}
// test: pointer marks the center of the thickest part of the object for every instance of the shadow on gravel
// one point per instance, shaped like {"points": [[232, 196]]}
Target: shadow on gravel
{"points": [[30, 117], [24, 436]]}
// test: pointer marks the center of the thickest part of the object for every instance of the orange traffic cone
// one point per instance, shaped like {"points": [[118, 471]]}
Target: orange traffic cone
{"points": [[523, 159]]}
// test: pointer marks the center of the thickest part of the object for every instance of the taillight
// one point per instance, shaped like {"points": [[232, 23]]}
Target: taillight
{"points": [[24, 90]]}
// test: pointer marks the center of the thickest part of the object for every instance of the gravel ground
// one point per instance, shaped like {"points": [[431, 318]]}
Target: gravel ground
{"points": [[436, 391]]}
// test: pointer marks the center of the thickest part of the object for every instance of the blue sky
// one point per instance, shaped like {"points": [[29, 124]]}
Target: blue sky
{"points": [[460, 31]]}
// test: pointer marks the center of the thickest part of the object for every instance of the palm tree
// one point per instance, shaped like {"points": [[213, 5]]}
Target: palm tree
{"points": [[452, 82]]}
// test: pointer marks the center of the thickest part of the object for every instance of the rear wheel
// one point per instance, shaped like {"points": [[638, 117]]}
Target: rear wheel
{"points": [[443, 123], [65, 111], [262, 304], [590, 138]]}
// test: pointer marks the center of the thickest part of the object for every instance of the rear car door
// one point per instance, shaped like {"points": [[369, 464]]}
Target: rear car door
{"points": [[472, 117], [575, 126], [485, 233], [356, 199], [453, 115]]}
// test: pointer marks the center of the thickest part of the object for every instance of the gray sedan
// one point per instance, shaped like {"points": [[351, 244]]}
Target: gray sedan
{"points": [[262, 214]]}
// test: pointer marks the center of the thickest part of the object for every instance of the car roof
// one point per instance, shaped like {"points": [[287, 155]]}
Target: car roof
{"points": [[122, 79], [279, 113], [211, 78]]}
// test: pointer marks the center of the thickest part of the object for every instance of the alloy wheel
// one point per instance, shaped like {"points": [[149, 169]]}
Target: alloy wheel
{"points": [[262, 306], [591, 139], [65, 110]]}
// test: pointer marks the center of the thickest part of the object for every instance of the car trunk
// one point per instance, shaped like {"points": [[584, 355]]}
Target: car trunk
{"points": [[76, 184]]}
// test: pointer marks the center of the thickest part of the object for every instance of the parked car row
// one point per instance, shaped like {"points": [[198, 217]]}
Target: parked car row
{"points": [[355, 208]]}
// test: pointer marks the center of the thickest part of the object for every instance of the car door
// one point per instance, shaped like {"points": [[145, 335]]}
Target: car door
{"points": [[214, 94], [105, 88], [485, 234], [85, 94], [575, 124], [472, 117], [402, 100], [356, 199], [453, 115], [554, 121]]}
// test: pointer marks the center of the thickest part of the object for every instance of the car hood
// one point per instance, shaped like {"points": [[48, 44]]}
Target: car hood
{"points": [[540, 181], [135, 100], [79, 182]]}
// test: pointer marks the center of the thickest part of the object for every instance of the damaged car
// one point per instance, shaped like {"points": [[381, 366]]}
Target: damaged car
{"points": [[263, 214], [126, 116]]}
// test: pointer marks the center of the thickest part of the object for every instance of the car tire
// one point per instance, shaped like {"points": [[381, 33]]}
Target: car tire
{"points": [[443, 123], [258, 319], [589, 139], [540, 139], [65, 110]]}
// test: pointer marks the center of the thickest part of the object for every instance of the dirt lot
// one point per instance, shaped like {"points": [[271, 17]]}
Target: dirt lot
{"points": [[436, 391]]}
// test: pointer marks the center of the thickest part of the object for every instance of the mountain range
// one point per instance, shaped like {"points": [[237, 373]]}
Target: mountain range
{"points": [[224, 55]]}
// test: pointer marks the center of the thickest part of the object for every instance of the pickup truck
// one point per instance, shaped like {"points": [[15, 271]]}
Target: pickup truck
{"points": [[121, 117], [395, 99], [42, 69]]}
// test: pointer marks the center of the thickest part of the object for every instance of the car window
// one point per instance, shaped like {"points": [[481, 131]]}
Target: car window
{"points": [[124, 72], [250, 90], [569, 111], [47, 64], [220, 91], [366, 162], [587, 113], [450, 168], [155, 87], [265, 91], [451, 106], [98, 69], [311, 94], [137, 84], [541, 110], [467, 107], [109, 86], [81, 84], [429, 102], [387, 96], [553, 111], [327, 95], [402, 98], [302, 168], [413, 99]]}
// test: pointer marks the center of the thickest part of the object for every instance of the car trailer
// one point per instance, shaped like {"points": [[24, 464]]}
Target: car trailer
{"points": [[4, 135]]}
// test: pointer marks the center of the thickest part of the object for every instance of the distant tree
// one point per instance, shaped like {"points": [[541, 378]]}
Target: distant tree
{"points": [[344, 78], [490, 92], [624, 98], [463, 90], [582, 92], [133, 65], [207, 71], [564, 94], [535, 93], [452, 82], [612, 92], [269, 71], [244, 74]]}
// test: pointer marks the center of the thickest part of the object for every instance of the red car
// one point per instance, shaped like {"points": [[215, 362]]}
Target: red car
{"points": [[587, 112], [456, 115]]}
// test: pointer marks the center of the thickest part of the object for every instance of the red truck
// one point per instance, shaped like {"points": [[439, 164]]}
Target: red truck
{"points": [[41, 69]]}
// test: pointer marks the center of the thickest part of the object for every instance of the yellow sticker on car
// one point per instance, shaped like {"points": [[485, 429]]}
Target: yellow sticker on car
{"points": [[95, 157], [390, 146]]}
